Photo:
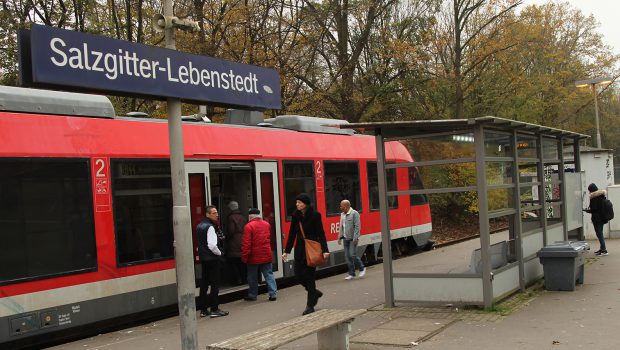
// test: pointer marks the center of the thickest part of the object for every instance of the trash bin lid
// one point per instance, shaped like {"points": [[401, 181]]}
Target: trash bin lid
{"points": [[563, 249]]}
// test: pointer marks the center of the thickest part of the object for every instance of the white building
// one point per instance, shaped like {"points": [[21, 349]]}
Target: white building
{"points": [[598, 168]]}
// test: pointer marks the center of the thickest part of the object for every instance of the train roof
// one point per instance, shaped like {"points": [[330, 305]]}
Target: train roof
{"points": [[40, 133], [16, 99]]}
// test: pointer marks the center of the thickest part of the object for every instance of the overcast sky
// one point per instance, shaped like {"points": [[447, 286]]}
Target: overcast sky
{"points": [[605, 11]]}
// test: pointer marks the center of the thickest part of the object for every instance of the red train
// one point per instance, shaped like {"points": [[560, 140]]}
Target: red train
{"points": [[85, 216]]}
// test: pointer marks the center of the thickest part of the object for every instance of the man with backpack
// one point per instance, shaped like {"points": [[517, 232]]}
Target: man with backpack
{"points": [[602, 211]]}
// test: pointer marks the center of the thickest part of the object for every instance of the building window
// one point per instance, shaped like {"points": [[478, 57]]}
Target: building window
{"points": [[342, 181], [298, 178], [373, 186], [46, 218], [142, 210]]}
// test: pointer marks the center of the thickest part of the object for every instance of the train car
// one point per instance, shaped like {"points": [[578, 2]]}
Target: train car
{"points": [[86, 210]]}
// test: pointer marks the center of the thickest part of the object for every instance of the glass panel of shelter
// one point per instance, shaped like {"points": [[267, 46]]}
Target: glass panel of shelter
{"points": [[373, 186], [441, 147], [497, 144]]}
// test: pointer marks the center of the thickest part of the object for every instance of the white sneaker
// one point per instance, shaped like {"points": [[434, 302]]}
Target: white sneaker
{"points": [[349, 277], [363, 272]]}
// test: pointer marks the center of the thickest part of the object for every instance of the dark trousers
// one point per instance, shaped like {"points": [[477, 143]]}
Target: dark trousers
{"points": [[210, 277], [238, 271], [598, 228], [305, 276]]}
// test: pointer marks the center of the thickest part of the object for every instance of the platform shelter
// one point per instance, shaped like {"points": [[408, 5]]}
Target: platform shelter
{"points": [[519, 179]]}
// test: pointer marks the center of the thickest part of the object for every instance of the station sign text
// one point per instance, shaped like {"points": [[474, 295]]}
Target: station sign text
{"points": [[67, 58]]}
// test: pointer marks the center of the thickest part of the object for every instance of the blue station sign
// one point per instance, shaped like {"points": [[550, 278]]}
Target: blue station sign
{"points": [[60, 57]]}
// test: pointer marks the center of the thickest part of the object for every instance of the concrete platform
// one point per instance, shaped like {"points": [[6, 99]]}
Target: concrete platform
{"points": [[585, 318]]}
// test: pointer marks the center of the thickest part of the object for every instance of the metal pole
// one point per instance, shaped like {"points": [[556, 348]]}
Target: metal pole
{"points": [[183, 247], [518, 226], [483, 217], [577, 158], [562, 178], [598, 130], [542, 187], [386, 241]]}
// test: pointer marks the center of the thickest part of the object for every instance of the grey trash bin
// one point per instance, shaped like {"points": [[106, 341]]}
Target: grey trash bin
{"points": [[563, 264]]}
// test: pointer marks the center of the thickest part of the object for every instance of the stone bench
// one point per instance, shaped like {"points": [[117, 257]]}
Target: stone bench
{"points": [[332, 328]]}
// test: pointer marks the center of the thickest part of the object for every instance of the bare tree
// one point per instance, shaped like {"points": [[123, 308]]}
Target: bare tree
{"points": [[473, 27]]}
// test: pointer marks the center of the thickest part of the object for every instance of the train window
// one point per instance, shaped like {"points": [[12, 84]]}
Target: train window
{"points": [[142, 193], [298, 178], [415, 183], [342, 181], [373, 186], [46, 216]]}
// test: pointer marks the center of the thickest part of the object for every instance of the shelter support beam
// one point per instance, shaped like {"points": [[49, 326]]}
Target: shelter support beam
{"points": [[562, 177], [483, 219], [577, 159], [518, 227], [386, 241]]}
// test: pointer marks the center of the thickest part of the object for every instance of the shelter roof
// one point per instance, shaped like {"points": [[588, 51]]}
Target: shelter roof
{"points": [[395, 129]]}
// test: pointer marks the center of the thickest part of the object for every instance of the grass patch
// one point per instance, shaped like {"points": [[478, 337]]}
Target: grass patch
{"points": [[514, 302]]}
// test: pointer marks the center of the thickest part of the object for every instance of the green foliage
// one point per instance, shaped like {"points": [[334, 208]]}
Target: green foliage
{"points": [[452, 207]]}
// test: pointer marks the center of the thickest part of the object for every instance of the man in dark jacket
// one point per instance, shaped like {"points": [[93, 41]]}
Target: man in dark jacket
{"points": [[210, 250], [598, 220], [234, 231], [256, 253]]}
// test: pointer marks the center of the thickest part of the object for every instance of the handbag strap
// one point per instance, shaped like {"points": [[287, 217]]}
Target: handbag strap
{"points": [[303, 234]]}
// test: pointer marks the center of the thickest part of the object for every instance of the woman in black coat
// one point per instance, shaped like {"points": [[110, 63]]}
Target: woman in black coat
{"points": [[598, 220], [313, 229]]}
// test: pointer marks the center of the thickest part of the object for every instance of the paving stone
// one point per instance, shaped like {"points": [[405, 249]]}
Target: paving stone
{"points": [[415, 324], [389, 337]]}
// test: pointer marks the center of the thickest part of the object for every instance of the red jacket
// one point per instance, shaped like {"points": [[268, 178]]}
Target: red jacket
{"points": [[256, 242]]}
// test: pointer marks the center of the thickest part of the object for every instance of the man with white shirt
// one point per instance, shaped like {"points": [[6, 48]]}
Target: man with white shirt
{"points": [[350, 233], [211, 252]]}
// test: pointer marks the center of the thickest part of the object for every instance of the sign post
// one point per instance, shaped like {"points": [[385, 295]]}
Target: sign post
{"points": [[181, 221]]}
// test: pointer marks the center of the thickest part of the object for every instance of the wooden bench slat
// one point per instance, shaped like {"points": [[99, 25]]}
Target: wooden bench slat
{"points": [[285, 327], [289, 330], [276, 335]]}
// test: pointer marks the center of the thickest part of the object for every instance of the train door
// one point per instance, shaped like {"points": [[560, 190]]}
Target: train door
{"points": [[266, 174], [198, 186], [248, 185]]}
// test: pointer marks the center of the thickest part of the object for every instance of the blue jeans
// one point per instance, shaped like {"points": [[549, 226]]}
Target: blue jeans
{"points": [[598, 228], [265, 269], [350, 255]]}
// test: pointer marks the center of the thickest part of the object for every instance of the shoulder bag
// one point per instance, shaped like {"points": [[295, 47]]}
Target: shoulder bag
{"points": [[314, 252]]}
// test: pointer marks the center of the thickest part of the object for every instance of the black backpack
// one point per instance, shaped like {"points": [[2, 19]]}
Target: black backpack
{"points": [[607, 210]]}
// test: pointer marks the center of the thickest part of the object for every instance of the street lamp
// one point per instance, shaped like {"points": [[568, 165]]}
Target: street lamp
{"points": [[593, 83]]}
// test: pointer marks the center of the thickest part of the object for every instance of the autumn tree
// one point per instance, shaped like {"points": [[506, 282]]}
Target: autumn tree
{"points": [[466, 42], [361, 49], [534, 81]]}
